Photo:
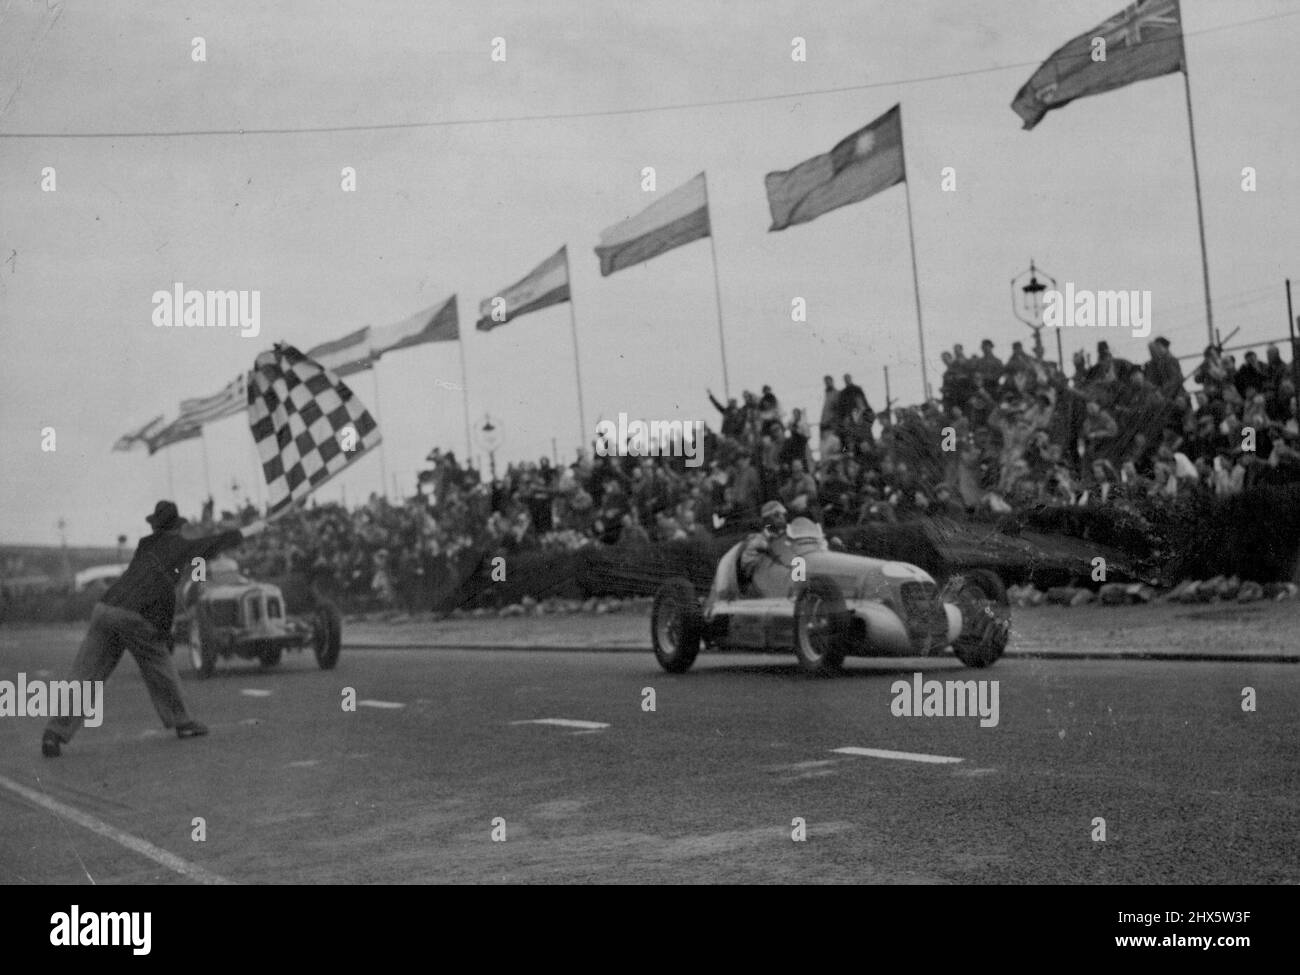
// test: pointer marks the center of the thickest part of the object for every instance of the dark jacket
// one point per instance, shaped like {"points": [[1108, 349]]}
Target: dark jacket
{"points": [[148, 586]]}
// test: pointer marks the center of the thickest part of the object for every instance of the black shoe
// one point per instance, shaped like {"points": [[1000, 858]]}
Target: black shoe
{"points": [[191, 729], [50, 744]]}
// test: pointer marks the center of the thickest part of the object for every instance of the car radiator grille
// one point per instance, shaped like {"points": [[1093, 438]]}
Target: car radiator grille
{"points": [[927, 623], [223, 612]]}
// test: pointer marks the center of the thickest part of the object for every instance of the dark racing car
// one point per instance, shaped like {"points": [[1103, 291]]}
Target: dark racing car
{"points": [[230, 615]]}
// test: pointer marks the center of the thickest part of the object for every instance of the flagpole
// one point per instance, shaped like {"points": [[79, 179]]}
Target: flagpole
{"points": [[911, 240], [383, 463], [207, 471], [717, 294], [464, 392], [1200, 213], [577, 369]]}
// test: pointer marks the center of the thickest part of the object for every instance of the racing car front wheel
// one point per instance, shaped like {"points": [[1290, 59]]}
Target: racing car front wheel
{"points": [[327, 636], [821, 627], [676, 626], [985, 618], [203, 644]]}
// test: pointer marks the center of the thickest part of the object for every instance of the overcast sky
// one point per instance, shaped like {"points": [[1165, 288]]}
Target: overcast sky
{"points": [[1100, 193]]}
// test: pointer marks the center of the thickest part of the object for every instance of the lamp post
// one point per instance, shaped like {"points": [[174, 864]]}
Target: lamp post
{"points": [[489, 438], [1027, 304]]}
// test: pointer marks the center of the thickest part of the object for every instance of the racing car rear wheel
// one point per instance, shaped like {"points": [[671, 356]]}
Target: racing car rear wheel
{"points": [[270, 656], [328, 636], [985, 618], [676, 626], [821, 627], [203, 644]]}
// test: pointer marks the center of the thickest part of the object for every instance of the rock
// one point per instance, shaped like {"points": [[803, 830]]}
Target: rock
{"points": [[602, 608], [1143, 593], [1250, 592], [1113, 594], [1179, 593], [514, 609], [1230, 587], [590, 605], [1082, 596], [528, 602], [1060, 595]]}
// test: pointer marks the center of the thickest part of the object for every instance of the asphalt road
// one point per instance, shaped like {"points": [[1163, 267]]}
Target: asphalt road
{"points": [[291, 788]]}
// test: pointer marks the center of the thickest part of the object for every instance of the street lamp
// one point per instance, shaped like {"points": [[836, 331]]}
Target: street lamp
{"points": [[489, 438], [1027, 303]]}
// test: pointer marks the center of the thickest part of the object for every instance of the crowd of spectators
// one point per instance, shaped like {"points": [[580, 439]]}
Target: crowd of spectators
{"points": [[1001, 436]]}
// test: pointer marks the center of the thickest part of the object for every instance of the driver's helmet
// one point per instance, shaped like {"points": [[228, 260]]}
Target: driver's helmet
{"points": [[801, 529]]}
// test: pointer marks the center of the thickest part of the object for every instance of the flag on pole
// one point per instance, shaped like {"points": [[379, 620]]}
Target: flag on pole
{"points": [[173, 432], [860, 165], [678, 218], [232, 399], [306, 423], [129, 440], [1144, 40], [545, 285], [437, 324], [347, 355]]}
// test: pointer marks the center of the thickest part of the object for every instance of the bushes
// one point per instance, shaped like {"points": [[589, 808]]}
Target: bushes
{"points": [[47, 607]]}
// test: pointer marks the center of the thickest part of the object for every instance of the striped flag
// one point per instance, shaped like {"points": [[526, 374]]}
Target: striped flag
{"points": [[860, 166], [347, 355], [129, 440], [173, 432], [306, 423], [1144, 40], [679, 218], [545, 285], [232, 399], [437, 324]]}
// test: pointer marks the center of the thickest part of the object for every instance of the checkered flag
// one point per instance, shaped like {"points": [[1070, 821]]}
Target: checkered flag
{"points": [[307, 424]]}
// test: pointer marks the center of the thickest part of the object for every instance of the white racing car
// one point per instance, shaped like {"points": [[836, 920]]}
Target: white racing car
{"points": [[828, 605]]}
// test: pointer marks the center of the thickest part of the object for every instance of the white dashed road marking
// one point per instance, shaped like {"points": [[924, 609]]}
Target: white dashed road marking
{"points": [[566, 723], [900, 756], [254, 692], [379, 704], [133, 843]]}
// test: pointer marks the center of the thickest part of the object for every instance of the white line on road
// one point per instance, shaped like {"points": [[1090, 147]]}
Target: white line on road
{"points": [[901, 756], [255, 692], [566, 723], [379, 704], [133, 843]]}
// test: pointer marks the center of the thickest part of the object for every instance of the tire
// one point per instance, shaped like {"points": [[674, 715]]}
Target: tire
{"points": [[328, 637], [203, 644], [270, 657], [821, 627], [676, 626], [985, 616]]}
